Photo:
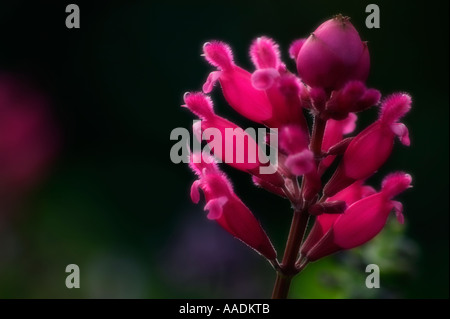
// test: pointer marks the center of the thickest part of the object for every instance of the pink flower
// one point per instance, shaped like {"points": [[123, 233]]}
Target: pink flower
{"points": [[371, 148], [300, 159], [334, 132], [269, 96], [323, 223], [236, 84], [283, 89], [333, 55], [360, 222], [294, 142], [249, 158], [353, 97], [226, 208], [295, 47]]}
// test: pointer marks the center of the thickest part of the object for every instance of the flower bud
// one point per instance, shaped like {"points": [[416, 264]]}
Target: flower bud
{"points": [[333, 55]]}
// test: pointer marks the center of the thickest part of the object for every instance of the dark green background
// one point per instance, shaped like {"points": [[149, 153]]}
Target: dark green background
{"points": [[116, 205]]}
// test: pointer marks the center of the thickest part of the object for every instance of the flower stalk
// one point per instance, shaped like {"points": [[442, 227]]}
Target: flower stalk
{"points": [[288, 268]]}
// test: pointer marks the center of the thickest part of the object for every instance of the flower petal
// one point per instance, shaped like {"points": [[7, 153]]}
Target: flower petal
{"points": [[215, 207]]}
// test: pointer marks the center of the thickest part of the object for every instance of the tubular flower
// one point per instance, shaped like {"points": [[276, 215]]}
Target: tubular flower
{"points": [[334, 132], [300, 160], [360, 222], [236, 84], [223, 135], [225, 207], [372, 147], [282, 88], [323, 223]]}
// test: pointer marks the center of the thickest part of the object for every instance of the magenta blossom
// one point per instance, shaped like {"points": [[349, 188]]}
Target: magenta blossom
{"points": [[227, 209], [371, 148], [251, 159], [360, 222], [236, 84], [333, 65]]}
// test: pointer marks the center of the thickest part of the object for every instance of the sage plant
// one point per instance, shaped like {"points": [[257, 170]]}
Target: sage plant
{"points": [[332, 67]]}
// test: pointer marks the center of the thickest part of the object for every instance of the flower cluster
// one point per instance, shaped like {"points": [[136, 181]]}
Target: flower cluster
{"points": [[332, 67]]}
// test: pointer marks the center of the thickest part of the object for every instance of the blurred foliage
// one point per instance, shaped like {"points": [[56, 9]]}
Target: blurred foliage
{"points": [[343, 275]]}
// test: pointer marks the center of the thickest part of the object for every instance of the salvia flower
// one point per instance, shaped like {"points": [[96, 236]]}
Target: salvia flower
{"points": [[333, 135], [282, 88], [372, 147], [236, 84], [324, 221], [251, 158], [353, 97], [332, 67], [225, 207], [361, 221]]}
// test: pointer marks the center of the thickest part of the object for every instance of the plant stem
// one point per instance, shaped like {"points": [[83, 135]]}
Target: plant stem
{"points": [[299, 222], [288, 269], [295, 237], [281, 287], [317, 135]]}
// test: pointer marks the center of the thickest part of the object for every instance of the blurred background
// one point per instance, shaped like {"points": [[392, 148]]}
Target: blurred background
{"points": [[85, 173]]}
